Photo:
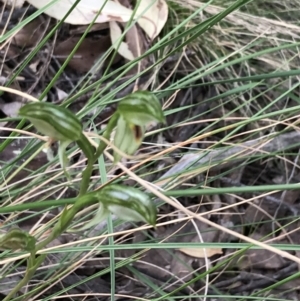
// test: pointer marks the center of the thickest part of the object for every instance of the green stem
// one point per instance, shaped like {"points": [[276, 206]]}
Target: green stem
{"points": [[33, 263], [58, 229], [67, 217], [54, 234], [22, 283], [87, 173], [32, 266], [110, 126]]}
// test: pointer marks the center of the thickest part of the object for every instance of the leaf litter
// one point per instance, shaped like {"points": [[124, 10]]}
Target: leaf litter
{"points": [[167, 269]]}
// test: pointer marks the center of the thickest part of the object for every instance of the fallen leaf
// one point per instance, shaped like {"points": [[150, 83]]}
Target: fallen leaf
{"points": [[85, 11], [155, 15], [121, 47], [30, 34], [150, 15], [14, 3], [12, 152], [181, 266], [260, 259], [200, 253], [61, 95], [87, 53], [81, 29], [134, 39], [9, 102], [10, 109]]}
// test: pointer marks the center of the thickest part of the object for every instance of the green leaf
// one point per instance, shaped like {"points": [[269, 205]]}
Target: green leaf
{"points": [[54, 121], [141, 108], [128, 137], [16, 239]]}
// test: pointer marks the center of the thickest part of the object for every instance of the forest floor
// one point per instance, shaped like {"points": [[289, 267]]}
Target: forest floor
{"points": [[229, 153]]}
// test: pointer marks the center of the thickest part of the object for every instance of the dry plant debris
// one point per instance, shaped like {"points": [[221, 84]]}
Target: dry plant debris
{"points": [[261, 152]]}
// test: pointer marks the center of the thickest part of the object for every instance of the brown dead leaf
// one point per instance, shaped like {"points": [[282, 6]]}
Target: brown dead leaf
{"points": [[11, 51], [8, 283], [9, 103], [201, 252], [260, 259], [133, 48], [95, 285], [160, 259], [86, 55], [255, 214], [30, 34], [181, 266], [135, 41], [208, 235]]}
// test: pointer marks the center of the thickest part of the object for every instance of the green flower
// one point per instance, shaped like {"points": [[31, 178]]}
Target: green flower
{"points": [[16, 239], [136, 111], [128, 138], [59, 124], [127, 203], [141, 108], [54, 121]]}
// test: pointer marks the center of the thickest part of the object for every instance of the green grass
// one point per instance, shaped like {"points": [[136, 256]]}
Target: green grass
{"points": [[248, 51]]}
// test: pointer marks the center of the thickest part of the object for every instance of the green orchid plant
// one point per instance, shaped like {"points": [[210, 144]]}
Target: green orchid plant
{"points": [[133, 114]]}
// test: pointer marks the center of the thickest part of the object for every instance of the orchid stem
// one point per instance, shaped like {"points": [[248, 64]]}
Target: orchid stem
{"points": [[32, 265], [87, 173], [34, 262]]}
